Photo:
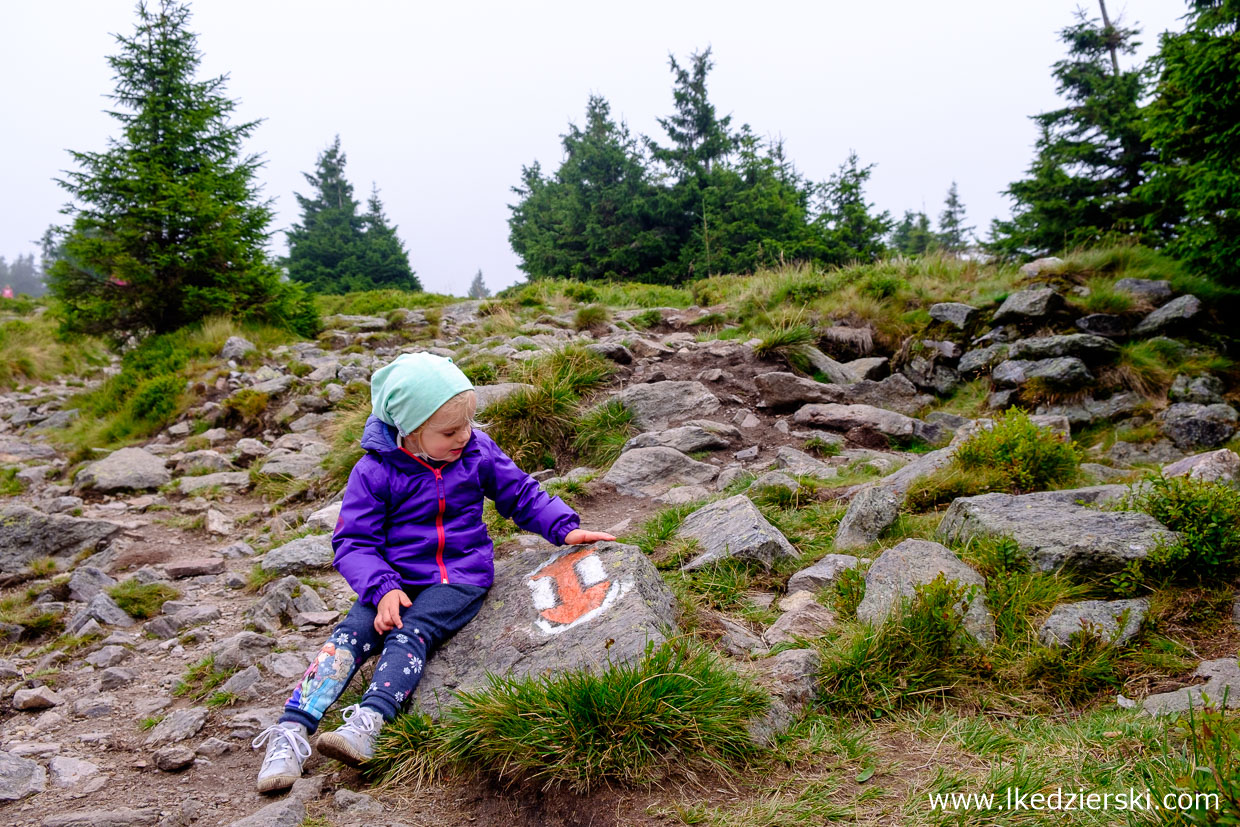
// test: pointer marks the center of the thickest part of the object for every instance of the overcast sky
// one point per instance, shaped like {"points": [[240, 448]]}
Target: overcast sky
{"points": [[440, 104]]}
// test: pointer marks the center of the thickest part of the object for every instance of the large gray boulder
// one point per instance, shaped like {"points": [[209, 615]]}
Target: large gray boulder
{"points": [[1154, 291], [1081, 345], [129, 469], [779, 389], [734, 528], [1203, 390], [1174, 314], [21, 448], [550, 611], [1061, 372], [897, 572], [650, 472], [953, 313], [1028, 305], [1221, 466], [656, 406], [1191, 426], [20, 777], [686, 439], [1055, 534], [1099, 618], [26, 534], [1222, 682], [304, 554], [846, 417]]}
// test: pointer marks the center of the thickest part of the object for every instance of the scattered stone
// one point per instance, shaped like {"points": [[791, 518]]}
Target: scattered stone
{"points": [[20, 777], [1028, 305], [241, 650], [1054, 534], [233, 551], [108, 656], [325, 518], [782, 390], [236, 348], [734, 639], [1202, 390], [828, 367], [804, 619], [954, 313], [218, 523], [289, 811], [1088, 410], [356, 803], [734, 528], [868, 367], [41, 697], [655, 406], [1084, 346], [1039, 266], [213, 747], [26, 534], [88, 581], [746, 453], [822, 574], [232, 480], [1192, 426], [845, 417], [129, 469], [296, 463], [1103, 324], [170, 624], [285, 664], [70, 772], [614, 351], [1150, 290], [1170, 316], [249, 450], [1215, 466], [124, 817], [94, 706], [686, 439], [1099, 618], [551, 611], [115, 677], [775, 479], [284, 600], [894, 575], [683, 495], [204, 460], [1222, 681], [801, 464], [650, 472], [180, 724], [103, 609], [193, 567], [1061, 372], [174, 758], [1158, 452], [301, 555], [791, 678]]}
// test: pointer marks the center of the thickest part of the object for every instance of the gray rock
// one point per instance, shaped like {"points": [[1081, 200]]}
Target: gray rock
{"points": [[982, 358], [303, 464], [656, 406], [123, 817], [193, 567], [236, 348], [1104, 472], [114, 677], [108, 656], [490, 394], [345, 322], [580, 608], [242, 682], [734, 528], [1154, 291], [94, 706], [804, 619], [250, 449], [746, 453], [285, 665], [289, 811], [898, 571], [168, 625], [213, 747], [1056, 534], [205, 459], [1062, 372], [791, 678], [1028, 305], [822, 574], [231, 480], [1099, 618], [1159, 452], [1201, 390], [241, 650], [218, 523], [684, 494], [1215, 466], [1039, 266], [21, 448], [1222, 681], [1084, 346], [930, 374], [282, 601], [954, 313], [846, 417], [686, 438], [70, 772], [1174, 314], [129, 469], [867, 367], [896, 393], [828, 367], [1192, 426], [1089, 410], [614, 351], [88, 581], [650, 472], [775, 479], [20, 777], [174, 758], [304, 554], [26, 534], [325, 518], [179, 725], [801, 464], [41, 697], [103, 609], [1103, 324]]}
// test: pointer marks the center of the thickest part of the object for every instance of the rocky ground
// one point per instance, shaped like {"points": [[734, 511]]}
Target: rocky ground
{"points": [[108, 725]]}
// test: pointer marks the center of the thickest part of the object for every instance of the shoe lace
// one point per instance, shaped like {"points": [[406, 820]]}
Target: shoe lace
{"points": [[282, 743], [361, 720]]}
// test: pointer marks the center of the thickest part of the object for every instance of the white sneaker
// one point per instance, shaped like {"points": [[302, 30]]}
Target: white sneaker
{"points": [[354, 742], [287, 750]]}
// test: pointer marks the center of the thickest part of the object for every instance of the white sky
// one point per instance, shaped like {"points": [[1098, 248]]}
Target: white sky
{"points": [[442, 103]]}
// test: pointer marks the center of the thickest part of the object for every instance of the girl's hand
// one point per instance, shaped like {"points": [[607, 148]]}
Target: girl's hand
{"points": [[389, 607], [578, 536]]}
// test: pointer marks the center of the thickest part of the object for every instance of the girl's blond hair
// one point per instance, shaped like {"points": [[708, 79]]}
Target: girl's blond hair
{"points": [[459, 410]]}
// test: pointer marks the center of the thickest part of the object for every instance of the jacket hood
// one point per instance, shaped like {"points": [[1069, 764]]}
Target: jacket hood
{"points": [[378, 436]]}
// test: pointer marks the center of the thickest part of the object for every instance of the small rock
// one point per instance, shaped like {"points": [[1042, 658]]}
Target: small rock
{"points": [[325, 518], [236, 348], [70, 772], [108, 656], [822, 574], [1151, 290], [88, 581], [219, 523], [1099, 618], [356, 803], [1215, 466], [194, 567], [1026, 305], [20, 777], [241, 650], [115, 677], [734, 528], [806, 620], [301, 555], [174, 758], [41, 697], [213, 747], [1191, 426], [178, 725], [94, 706], [1170, 316], [954, 313]]}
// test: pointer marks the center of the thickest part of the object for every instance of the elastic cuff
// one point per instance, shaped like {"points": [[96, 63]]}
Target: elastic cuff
{"points": [[569, 526], [387, 584]]}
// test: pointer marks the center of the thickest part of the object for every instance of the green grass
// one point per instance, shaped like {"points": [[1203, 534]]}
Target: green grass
{"points": [[1103, 297], [1149, 366], [142, 600], [659, 528], [591, 317], [201, 679], [10, 486], [378, 302], [37, 623], [788, 341], [676, 707], [35, 352], [601, 432]]}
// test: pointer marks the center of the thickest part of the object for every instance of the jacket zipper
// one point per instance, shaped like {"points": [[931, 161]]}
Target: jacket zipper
{"points": [[443, 504]]}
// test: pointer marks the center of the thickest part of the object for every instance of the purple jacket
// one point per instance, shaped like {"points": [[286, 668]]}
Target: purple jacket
{"points": [[409, 523]]}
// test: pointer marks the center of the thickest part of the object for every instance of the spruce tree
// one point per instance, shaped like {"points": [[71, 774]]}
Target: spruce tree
{"points": [[167, 223], [384, 260], [850, 230], [1090, 154], [1194, 124], [912, 236], [953, 235], [478, 288]]}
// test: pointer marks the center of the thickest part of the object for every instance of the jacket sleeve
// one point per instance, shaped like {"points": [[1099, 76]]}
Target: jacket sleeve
{"points": [[360, 537], [520, 498]]}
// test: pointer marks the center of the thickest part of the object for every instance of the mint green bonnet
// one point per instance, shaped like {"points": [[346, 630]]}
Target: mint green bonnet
{"points": [[407, 392]]}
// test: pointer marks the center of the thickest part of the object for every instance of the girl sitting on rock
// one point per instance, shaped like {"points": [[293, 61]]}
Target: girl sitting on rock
{"points": [[411, 542]]}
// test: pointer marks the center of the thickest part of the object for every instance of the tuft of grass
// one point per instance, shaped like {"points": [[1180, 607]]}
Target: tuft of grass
{"points": [[1078, 671], [601, 431], [646, 319], [150, 722], [789, 341], [10, 486], [631, 723], [660, 527], [1103, 297], [591, 317], [200, 679], [822, 448], [1149, 366], [246, 406], [142, 600]]}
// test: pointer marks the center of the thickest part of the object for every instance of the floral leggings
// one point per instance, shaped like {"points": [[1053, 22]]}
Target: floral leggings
{"points": [[437, 612]]}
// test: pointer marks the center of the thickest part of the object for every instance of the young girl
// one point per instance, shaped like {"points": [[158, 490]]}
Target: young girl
{"points": [[411, 542]]}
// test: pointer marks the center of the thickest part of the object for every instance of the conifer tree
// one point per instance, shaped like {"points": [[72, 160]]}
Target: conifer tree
{"points": [[167, 223], [912, 236], [851, 231], [478, 288], [953, 235]]}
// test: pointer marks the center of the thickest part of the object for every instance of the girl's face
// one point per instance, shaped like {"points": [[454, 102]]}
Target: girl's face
{"points": [[440, 440]]}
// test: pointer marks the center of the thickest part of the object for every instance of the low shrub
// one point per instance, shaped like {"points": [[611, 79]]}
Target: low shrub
{"points": [[142, 600], [246, 405], [1028, 456], [631, 723], [646, 319], [1077, 672], [1206, 515], [820, 447], [1210, 739], [591, 317], [157, 400]]}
